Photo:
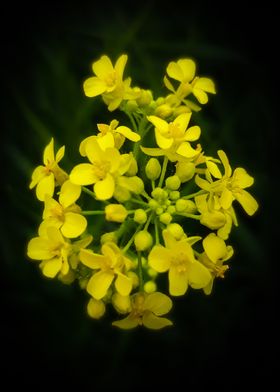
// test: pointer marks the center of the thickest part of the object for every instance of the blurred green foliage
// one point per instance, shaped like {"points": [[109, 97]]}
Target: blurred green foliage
{"points": [[46, 59]]}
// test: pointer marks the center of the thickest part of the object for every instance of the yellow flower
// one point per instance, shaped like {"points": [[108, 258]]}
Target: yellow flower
{"points": [[108, 81], [112, 263], [52, 250], [177, 257], [110, 136], [184, 72], [146, 310], [215, 254], [45, 177], [65, 215], [230, 187], [174, 138], [104, 167], [96, 308]]}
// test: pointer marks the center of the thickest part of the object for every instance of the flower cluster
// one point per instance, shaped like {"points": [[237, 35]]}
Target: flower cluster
{"points": [[145, 190]]}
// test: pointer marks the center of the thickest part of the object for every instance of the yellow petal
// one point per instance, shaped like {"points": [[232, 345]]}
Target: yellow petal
{"points": [[192, 134], [102, 67], [82, 148], [39, 249], [52, 221], [242, 179], [114, 157], [168, 84], [226, 198], [186, 150], [120, 65], [162, 141], [169, 240], [123, 285], [206, 85], [174, 71], [203, 184], [99, 284], [158, 303], [69, 193], [38, 174], [214, 247], [159, 123], [52, 267], [104, 189], [74, 225], [200, 95], [154, 152], [60, 154], [154, 322], [127, 323], [106, 141], [178, 281], [83, 174], [183, 121], [223, 157], [93, 150], [92, 260], [213, 169], [188, 68], [199, 276], [115, 103], [247, 201], [126, 132], [208, 289], [159, 258], [94, 86], [51, 207], [45, 187], [48, 155]]}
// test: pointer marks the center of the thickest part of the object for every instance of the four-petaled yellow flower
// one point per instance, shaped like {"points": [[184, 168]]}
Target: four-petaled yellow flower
{"points": [[184, 72], [65, 214], [230, 187], [174, 138], [146, 310], [216, 252], [105, 166], [108, 81], [52, 249], [177, 257], [45, 177], [110, 265]]}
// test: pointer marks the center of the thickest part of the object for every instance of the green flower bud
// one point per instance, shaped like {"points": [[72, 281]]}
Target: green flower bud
{"points": [[171, 210], [150, 287], [173, 183], [122, 194], [153, 169], [131, 105], [153, 204], [143, 240], [159, 210], [133, 168], [152, 273], [140, 216], [185, 206], [185, 170], [109, 237], [174, 195], [176, 230], [165, 218]]}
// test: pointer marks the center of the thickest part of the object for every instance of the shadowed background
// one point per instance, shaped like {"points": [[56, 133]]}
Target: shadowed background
{"points": [[47, 51]]}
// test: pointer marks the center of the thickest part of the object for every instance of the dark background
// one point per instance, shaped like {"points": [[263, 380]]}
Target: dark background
{"points": [[228, 339]]}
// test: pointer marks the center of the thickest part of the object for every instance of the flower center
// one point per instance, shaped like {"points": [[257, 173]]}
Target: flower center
{"points": [[111, 78], [101, 169]]}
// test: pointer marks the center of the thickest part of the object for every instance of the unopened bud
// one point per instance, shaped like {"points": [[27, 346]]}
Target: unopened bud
{"points": [[153, 169]]}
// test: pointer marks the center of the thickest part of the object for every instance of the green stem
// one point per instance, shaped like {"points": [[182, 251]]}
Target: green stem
{"points": [[145, 194], [186, 215], [133, 122], [156, 231], [93, 212], [153, 184], [163, 171], [128, 245], [191, 195], [140, 272], [142, 203], [86, 190], [148, 221]]}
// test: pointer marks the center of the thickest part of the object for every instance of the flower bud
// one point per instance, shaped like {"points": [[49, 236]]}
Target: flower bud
{"points": [[153, 169], [143, 240], [183, 205], [150, 287], [140, 216], [173, 183], [108, 237], [115, 213], [174, 195], [96, 308], [121, 303], [185, 170], [165, 218], [176, 230]]}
